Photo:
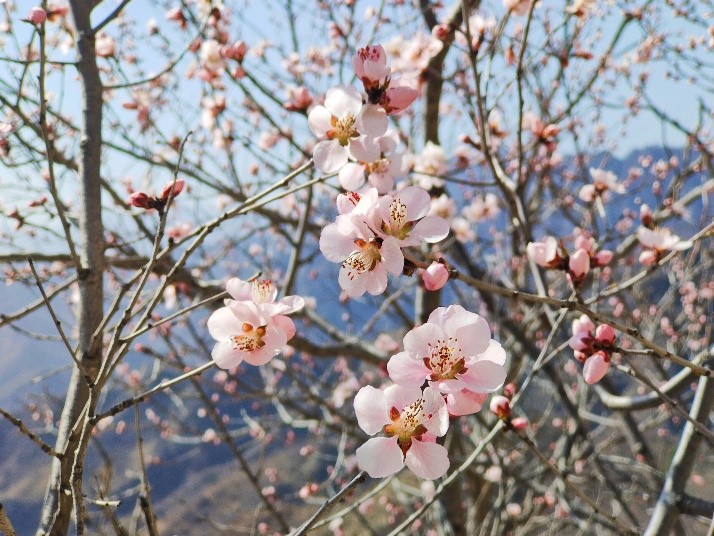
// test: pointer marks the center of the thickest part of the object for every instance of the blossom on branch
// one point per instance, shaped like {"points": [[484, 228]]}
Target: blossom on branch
{"points": [[411, 420]]}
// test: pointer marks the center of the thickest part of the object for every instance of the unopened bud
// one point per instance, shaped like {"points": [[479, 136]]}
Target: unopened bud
{"points": [[435, 276], [37, 16]]}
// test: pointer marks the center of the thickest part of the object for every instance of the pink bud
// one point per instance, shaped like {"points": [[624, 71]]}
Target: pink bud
{"points": [[37, 16], [583, 242], [441, 32], [501, 407], [646, 215], [648, 257], [397, 98], [509, 390], [435, 276], [605, 333], [140, 200], [596, 367], [236, 51], [603, 258], [519, 423], [177, 187], [579, 264]]}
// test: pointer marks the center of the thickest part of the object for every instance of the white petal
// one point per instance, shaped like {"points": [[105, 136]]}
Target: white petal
{"points": [[342, 101], [372, 121], [494, 352], [380, 457], [427, 460], [484, 376], [471, 330], [223, 324], [436, 418], [319, 121], [371, 409], [238, 289], [329, 156], [417, 201], [392, 256], [417, 341], [431, 229], [351, 176], [399, 396], [334, 244], [364, 149]]}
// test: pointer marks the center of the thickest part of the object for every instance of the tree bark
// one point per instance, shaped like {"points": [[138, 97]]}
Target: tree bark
{"points": [[57, 509]]}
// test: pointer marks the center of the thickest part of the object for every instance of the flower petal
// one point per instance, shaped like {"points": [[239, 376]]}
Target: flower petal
{"points": [[223, 324], [464, 402], [427, 460], [319, 121], [372, 121], [417, 341], [225, 356], [407, 370], [342, 101], [351, 176], [329, 156], [371, 409], [238, 289], [484, 376], [400, 396], [431, 229], [470, 329], [380, 457]]}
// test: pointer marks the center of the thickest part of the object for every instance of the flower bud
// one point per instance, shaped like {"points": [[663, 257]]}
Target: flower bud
{"points": [[603, 258], [579, 264], [646, 216], [140, 200], [501, 407], [37, 16], [435, 276], [509, 390], [596, 367], [177, 188], [519, 423]]}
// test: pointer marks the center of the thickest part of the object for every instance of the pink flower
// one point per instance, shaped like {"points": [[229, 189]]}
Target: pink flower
{"points": [[603, 258], [661, 239], [403, 215], [236, 51], [481, 208], [365, 257], [381, 173], [299, 99], [263, 293], [411, 420], [370, 65], [349, 129], [583, 329], [453, 351], [105, 45], [596, 366], [517, 7], [545, 254], [435, 276], [37, 16], [429, 166], [245, 332], [211, 56], [398, 97], [603, 183]]}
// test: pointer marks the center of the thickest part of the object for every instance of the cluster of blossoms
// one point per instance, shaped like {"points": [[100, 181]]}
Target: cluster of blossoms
{"points": [[351, 127], [656, 240], [603, 183], [552, 255], [252, 327], [370, 231], [454, 356], [593, 346]]}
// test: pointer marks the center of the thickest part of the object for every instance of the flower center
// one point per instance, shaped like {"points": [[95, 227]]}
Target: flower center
{"points": [[445, 360], [343, 129], [262, 291], [251, 339], [379, 167], [363, 260], [408, 424], [398, 226]]}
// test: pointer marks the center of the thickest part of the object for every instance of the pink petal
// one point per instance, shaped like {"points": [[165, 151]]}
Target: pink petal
{"points": [[225, 356], [380, 457], [364, 149], [417, 201], [399, 396], [274, 340], [595, 368], [484, 376], [494, 352], [284, 324], [371, 410], [404, 369], [579, 263], [319, 121], [223, 324], [351, 176], [436, 416], [587, 193], [329, 156], [431, 229], [392, 256], [470, 329], [292, 303], [239, 289], [334, 244], [427, 460], [464, 402], [342, 101], [417, 341], [375, 282], [372, 121]]}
